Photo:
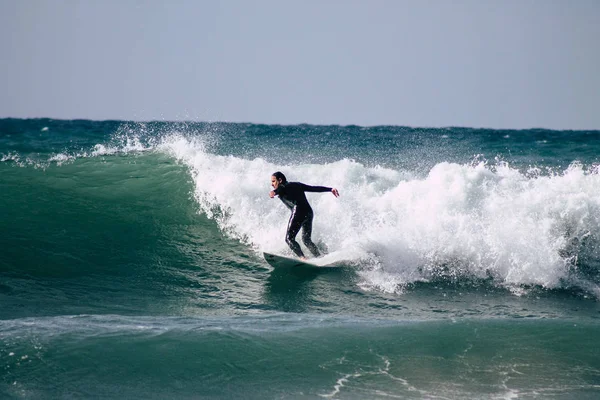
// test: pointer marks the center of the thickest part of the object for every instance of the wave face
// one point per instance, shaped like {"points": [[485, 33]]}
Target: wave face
{"points": [[416, 204], [145, 237]]}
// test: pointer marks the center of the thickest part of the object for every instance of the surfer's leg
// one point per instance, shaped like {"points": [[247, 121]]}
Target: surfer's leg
{"points": [[306, 234], [293, 228]]}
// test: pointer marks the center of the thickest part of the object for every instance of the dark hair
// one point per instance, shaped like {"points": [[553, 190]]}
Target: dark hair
{"points": [[279, 175]]}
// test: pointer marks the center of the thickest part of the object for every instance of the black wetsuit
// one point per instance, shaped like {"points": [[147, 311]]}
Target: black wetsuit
{"points": [[292, 195]]}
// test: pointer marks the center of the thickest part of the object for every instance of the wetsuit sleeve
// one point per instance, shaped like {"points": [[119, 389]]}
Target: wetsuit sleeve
{"points": [[308, 188]]}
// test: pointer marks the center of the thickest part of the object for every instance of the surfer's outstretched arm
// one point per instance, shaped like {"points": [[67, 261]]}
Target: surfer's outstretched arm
{"points": [[308, 188]]}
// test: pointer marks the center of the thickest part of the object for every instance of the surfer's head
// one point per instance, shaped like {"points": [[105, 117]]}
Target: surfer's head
{"points": [[277, 179]]}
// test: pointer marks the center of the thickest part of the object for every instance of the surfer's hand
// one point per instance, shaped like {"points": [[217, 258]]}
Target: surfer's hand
{"points": [[272, 194], [335, 192]]}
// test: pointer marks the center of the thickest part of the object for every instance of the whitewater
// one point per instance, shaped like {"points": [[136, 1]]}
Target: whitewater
{"points": [[479, 221]]}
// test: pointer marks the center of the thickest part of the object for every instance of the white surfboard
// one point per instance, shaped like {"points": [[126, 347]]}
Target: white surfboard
{"points": [[278, 261]]}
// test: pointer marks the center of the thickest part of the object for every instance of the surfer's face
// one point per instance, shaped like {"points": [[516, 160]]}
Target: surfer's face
{"points": [[275, 182]]}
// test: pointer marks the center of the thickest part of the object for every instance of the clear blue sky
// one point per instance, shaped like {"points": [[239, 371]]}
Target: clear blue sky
{"points": [[480, 63]]}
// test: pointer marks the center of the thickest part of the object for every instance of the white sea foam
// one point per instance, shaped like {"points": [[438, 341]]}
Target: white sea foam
{"points": [[519, 228], [122, 145], [60, 158], [126, 144], [9, 157]]}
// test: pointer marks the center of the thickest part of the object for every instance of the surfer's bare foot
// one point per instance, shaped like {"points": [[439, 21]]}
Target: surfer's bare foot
{"points": [[303, 258]]}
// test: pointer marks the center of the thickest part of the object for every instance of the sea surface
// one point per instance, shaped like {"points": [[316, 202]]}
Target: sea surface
{"points": [[131, 262]]}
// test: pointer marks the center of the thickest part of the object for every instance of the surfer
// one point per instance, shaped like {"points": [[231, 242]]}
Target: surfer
{"points": [[292, 195]]}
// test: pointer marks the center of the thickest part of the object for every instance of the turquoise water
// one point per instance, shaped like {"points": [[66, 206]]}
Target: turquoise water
{"points": [[131, 262]]}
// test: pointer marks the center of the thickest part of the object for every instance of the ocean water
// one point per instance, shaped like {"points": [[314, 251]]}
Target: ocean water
{"points": [[131, 262]]}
